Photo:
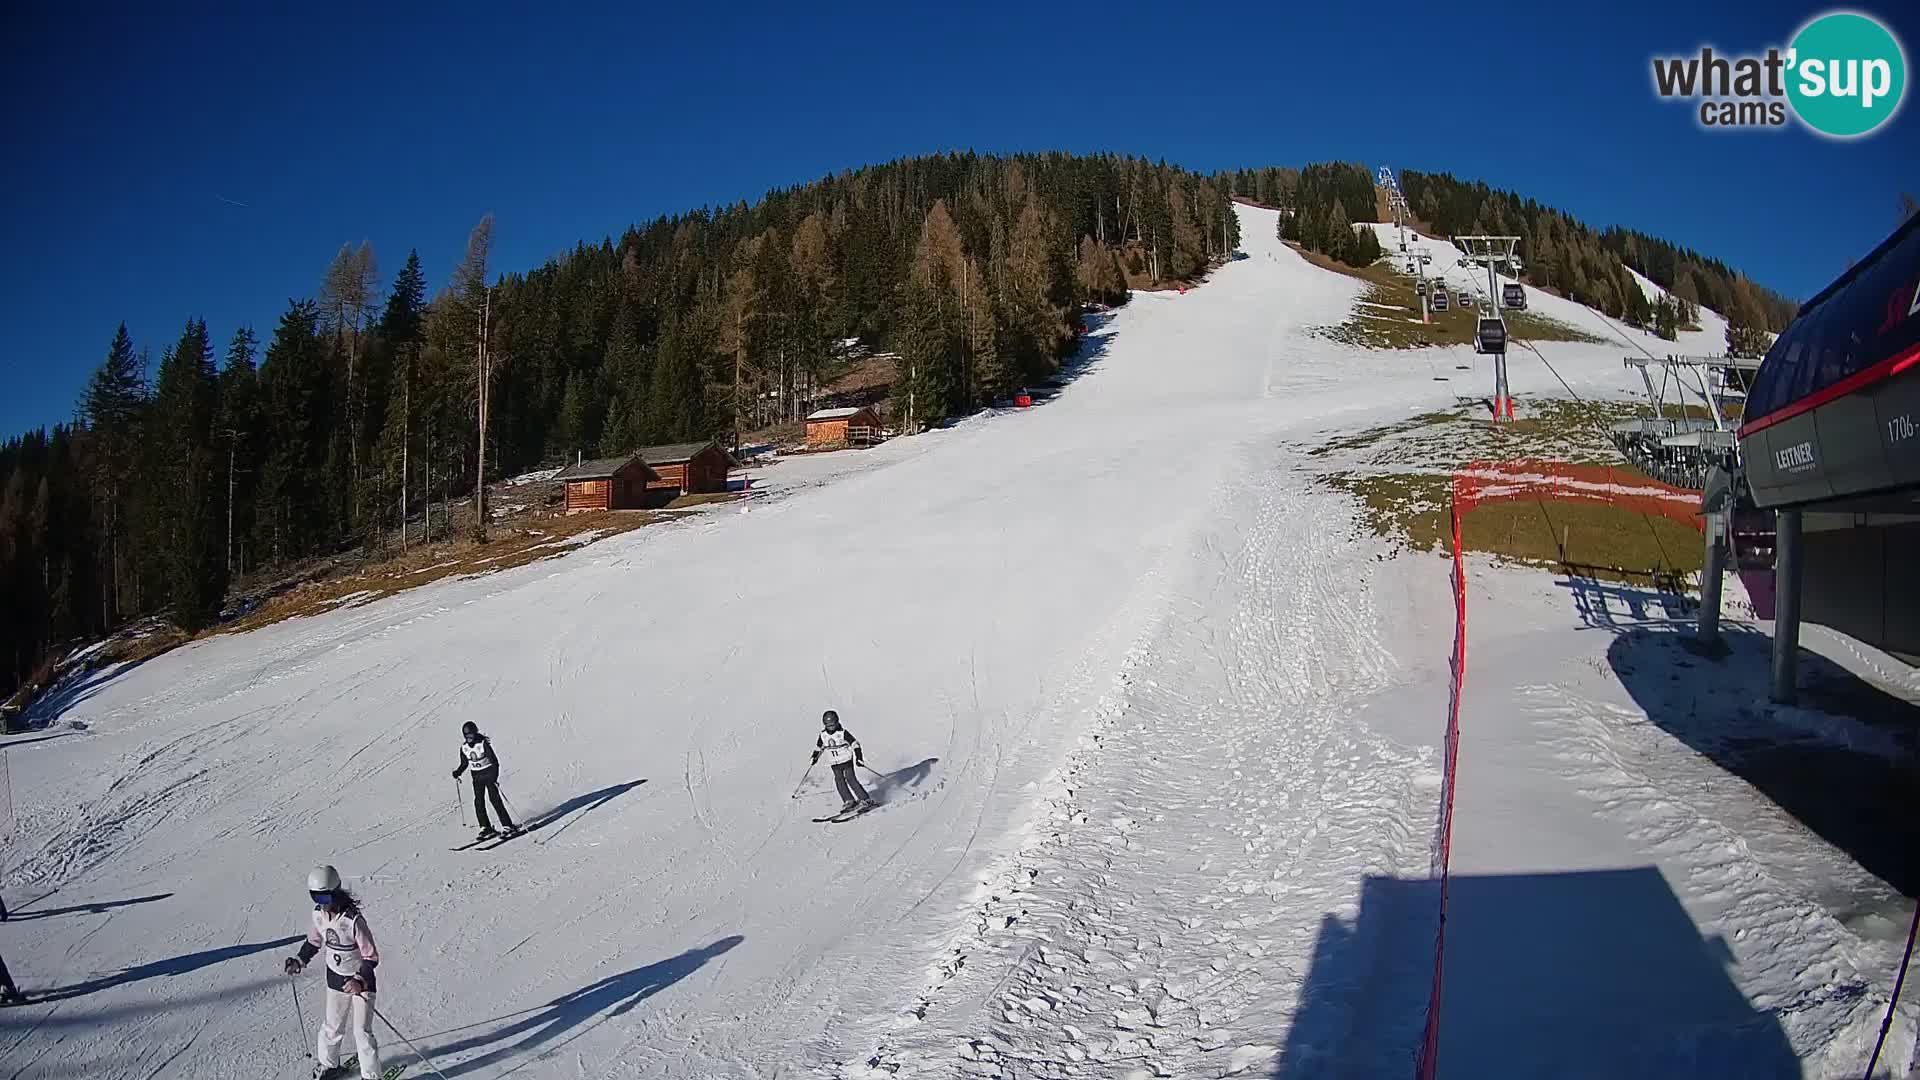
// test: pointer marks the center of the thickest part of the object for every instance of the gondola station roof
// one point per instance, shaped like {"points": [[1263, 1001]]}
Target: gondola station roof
{"points": [[1834, 414]]}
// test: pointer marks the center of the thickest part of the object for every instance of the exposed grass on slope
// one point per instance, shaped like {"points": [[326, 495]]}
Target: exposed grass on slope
{"points": [[543, 538], [1389, 315], [1401, 473]]}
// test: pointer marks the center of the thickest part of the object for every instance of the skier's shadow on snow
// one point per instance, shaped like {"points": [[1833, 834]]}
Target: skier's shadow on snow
{"points": [[888, 785], [574, 1013], [580, 805], [175, 965]]}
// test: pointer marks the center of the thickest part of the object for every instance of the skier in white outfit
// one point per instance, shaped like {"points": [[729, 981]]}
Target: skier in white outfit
{"points": [[341, 932]]}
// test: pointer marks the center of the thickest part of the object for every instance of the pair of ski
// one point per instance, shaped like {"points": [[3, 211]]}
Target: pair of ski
{"points": [[351, 1068], [848, 815], [488, 843]]}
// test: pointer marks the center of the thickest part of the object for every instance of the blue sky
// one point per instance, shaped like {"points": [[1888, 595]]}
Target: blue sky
{"points": [[129, 139]]}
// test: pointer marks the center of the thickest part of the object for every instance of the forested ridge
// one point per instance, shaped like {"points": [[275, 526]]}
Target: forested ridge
{"points": [[361, 409], [1562, 253]]}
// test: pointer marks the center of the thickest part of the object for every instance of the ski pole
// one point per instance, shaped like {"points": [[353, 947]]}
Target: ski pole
{"points": [[803, 780], [457, 801], [301, 1016], [873, 770], [403, 1038]]}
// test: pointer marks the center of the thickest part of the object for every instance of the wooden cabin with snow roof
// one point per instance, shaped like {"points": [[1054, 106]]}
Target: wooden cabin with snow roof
{"points": [[830, 429]]}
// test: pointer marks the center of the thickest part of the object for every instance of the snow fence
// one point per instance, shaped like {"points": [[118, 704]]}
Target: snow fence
{"points": [[1475, 484]]}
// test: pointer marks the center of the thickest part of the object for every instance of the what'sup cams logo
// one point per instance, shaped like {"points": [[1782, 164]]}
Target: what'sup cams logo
{"points": [[1843, 75]]}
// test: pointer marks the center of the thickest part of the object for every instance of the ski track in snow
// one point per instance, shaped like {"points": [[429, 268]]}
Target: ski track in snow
{"points": [[1151, 705]]}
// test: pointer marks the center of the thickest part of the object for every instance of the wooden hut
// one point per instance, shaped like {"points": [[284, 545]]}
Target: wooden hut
{"points": [[615, 483], [696, 468], [830, 428]]}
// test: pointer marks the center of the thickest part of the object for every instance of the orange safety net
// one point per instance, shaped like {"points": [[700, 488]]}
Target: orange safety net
{"points": [[1501, 481]]}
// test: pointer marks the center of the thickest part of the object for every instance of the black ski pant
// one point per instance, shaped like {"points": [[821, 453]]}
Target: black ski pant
{"points": [[848, 783], [486, 785], [6, 980]]}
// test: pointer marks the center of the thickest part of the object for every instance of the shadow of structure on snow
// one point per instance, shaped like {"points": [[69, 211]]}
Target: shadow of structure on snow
{"points": [[97, 908], [175, 965], [584, 804], [574, 1013], [1599, 603], [912, 776], [1577, 974], [1851, 782]]}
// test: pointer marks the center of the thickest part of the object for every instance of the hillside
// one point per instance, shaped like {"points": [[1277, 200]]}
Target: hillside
{"points": [[1153, 717]]}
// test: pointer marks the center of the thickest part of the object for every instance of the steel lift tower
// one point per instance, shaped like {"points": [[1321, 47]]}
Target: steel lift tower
{"points": [[1416, 260], [1490, 331]]}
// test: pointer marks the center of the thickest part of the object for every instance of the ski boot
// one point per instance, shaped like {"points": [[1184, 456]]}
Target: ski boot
{"points": [[486, 834]]}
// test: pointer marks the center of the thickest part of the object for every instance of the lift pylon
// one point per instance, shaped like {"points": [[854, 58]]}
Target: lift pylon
{"points": [[1490, 331]]}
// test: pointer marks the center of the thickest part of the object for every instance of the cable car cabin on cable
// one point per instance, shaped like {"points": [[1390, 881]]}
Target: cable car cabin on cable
{"points": [[1439, 299], [1513, 297], [1490, 335]]}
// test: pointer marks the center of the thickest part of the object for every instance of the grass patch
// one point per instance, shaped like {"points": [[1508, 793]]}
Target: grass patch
{"points": [[1553, 429], [1389, 315], [688, 502], [1402, 475], [1580, 539], [543, 538]]}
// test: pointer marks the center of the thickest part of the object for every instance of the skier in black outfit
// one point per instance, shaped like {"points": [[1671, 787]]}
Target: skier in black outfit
{"points": [[476, 751], [843, 752]]}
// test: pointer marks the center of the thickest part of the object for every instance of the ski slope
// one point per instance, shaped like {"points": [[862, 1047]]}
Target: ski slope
{"points": [[1156, 717]]}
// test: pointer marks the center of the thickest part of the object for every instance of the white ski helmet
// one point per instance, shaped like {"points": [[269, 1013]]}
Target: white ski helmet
{"points": [[323, 879]]}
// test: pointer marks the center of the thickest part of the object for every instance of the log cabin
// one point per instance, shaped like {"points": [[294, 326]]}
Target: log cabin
{"points": [[695, 468], [832, 428], [615, 483]]}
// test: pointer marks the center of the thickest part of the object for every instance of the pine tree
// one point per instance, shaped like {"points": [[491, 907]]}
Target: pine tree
{"points": [[113, 407], [237, 429], [187, 542], [290, 519], [1666, 321], [1339, 241]]}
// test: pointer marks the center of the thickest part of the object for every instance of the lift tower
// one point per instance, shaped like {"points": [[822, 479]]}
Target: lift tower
{"points": [[1490, 329]]}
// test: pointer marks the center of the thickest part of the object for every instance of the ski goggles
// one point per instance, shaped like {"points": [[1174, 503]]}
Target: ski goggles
{"points": [[321, 899]]}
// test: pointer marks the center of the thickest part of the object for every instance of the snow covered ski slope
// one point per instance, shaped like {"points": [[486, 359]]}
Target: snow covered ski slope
{"points": [[1151, 708]]}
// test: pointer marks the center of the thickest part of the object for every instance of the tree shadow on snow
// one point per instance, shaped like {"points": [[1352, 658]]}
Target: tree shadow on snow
{"points": [[75, 690], [1847, 775], [175, 965], [1577, 974], [581, 805], [574, 1013], [899, 780], [98, 908]]}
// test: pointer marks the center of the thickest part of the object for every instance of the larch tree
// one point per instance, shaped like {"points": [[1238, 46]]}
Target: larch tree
{"points": [[475, 300]]}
